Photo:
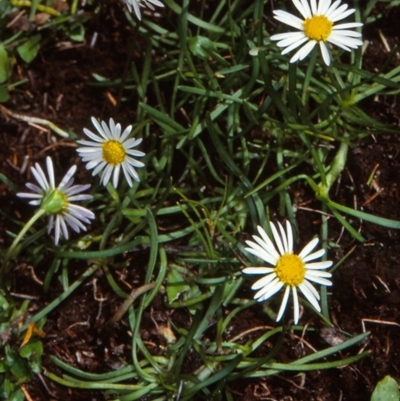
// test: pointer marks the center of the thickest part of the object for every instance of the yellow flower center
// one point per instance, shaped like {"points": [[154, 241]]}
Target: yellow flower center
{"points": [[113, 152], [290, 269], [318, 27]]}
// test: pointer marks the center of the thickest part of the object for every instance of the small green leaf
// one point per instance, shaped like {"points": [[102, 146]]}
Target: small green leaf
{"points": [[386, 390], [29, 50], [77, 32], [5, 65], [5, 308], [3, 366], [34, 347], [3, 94], [176, 285], [17, 365], [17, 395], [201, 46]]}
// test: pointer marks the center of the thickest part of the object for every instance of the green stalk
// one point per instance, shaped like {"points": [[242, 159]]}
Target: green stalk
{"points": [[52, 305], [16, 241], [337, 166]]}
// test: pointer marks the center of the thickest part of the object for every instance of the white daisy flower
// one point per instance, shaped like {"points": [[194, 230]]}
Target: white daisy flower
{"points": [[110, 152], [319, 27], [134, 5], [289, 270], [56, 201]]}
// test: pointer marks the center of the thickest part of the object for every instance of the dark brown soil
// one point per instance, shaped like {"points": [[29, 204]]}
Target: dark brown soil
{"points": [[366, 290]]}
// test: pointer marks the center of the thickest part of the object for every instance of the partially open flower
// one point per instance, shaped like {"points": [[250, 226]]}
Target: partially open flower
{"points": [[289, 271], [134, 5], [110, 152], [319, 26], [56, 201]]}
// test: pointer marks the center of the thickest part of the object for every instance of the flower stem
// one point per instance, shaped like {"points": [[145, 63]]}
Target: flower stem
{"points": [[337, 167], [16, 241]]}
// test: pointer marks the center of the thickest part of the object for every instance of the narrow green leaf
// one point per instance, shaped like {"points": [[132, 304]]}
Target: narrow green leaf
{"points": [[366, 216]]}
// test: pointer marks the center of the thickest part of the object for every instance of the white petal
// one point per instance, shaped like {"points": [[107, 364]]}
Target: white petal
{"points": [[63, 226], [337, 11], [296, 307], [76, 189], [283, 303], [289, 236], [29, 196], [347, 26], [117, 169], [325, 53], [78, 198], [323, 7], [50, 171], [336, 16], [347, 33], [314, 8], [339, 44], [133, 162], [107, 131], [137, 10], [81, 212], [115, 129], [105, 176], [269, 246], [126, 133], [294, 46], [128, 174], [284, 238], [34, 188], [288, 19], [319, 265], [269, 290], [309, 296], [287, 38], [332, 8], [40, 177], [306, 49], [66, 181], [56, 231], [156, 2], [99, 129], [312, 289], [263, 282], [258, 270], [92, 146], [303, 8], [100, 166], [317, 273], [132, 143], [261, 253], [303, 52], [314, 255], [50, 223], [319, 280], [344, 41], [74, 223], [277, 239], [130, 170], [308, 248], [273, 290], [92, 136]]}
